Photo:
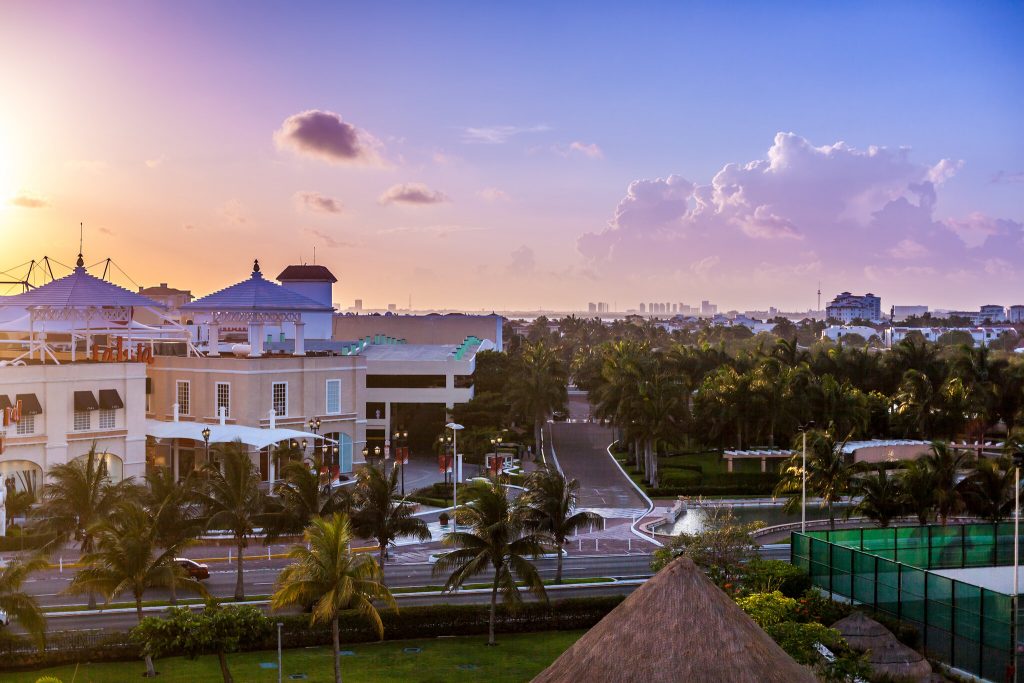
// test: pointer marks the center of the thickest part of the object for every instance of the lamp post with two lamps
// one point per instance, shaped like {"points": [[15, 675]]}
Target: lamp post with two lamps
{"points": [[206, 441], [400, 439], [456, 469]]}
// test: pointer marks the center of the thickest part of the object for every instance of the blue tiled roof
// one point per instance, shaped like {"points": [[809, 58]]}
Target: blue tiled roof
{"points": [[256, 294], [79, 290]]}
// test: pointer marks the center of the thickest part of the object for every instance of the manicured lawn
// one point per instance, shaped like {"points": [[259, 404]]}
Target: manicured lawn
{"points": [[517, 657]]}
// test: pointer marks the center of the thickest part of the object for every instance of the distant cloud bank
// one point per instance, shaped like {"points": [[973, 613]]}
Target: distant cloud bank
{"points": [[856, 213], [26, 200], [324, 135], [412, 193], [318, 203]]}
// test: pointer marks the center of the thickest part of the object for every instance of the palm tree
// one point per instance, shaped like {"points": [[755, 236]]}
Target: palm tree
{"points": [[328, 576], [232, 500], [552, 500], [828, 472], [538, 386], [499, 539], [918, 489], [988, 490], [175, 513], [301, 496], [915, 402], [880, 496], [128, 558], [943, 464], [380, 514], [78, 496], [20, 606]]}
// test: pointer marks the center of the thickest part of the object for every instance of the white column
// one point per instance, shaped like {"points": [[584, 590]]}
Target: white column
{"points": [[256, 340], [213, 344], [300, 338]]}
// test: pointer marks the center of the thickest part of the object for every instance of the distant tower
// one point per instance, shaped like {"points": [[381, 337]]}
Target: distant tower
{"points": [[819, 295]]}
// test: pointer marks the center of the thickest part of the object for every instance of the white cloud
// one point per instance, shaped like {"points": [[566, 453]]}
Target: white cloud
{"points": [[493, 194], [497, 135], [588, 150], [412, 193], [318, 203]]}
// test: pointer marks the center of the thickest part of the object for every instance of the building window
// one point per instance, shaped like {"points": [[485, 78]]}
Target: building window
{"points": [[108, 419], [27, 425], [184, 398], [405, 382], [279, 398], [223, 398], [83, 420], [333, 396]]}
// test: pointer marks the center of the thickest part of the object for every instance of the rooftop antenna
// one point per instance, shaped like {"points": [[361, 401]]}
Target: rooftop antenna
{"points": [[314, 254]]}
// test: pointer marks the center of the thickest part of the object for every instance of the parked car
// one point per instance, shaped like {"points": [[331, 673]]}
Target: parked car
{"points": [[196, 570]]}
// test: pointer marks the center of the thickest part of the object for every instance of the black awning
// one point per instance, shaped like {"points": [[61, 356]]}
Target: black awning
{"points": [[29, 404], [85, 401], [110, 399], [149, 385], [5, 402]]}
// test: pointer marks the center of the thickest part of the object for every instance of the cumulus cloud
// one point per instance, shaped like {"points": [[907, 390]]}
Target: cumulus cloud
{"points": [[497, 135], [155, 162], [591, 150], [27, 200], [318, 203], [412, 193], [523, 260], [324, 135], [493, 194], [853, 212]]}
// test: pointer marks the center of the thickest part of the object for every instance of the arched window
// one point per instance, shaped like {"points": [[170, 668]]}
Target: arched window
{"points": [[25, 474], [113, 463]]}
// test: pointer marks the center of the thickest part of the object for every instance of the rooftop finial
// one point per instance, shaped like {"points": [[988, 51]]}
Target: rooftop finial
{"points": [[256, 265], [81, 232]]}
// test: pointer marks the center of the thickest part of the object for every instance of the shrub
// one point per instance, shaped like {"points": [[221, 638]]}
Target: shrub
{"points": [[768, 609], [766, 575], [670, 478], [813, 606]]}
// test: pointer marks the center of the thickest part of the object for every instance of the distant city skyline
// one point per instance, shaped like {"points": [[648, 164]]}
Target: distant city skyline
{"points": [[525, 156]]}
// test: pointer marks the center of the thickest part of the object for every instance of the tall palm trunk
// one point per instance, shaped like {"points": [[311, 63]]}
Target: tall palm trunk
{"points": [[150, 669], [636, 454], [337, 646], [831, 515], [558, 566], [538, 427], [383, 556], [494, 607], [239, 575]]}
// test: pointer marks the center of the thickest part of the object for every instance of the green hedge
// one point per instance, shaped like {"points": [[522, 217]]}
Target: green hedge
{"points": [[68, 647], [791, 580], [671, 478], [25, 542]]}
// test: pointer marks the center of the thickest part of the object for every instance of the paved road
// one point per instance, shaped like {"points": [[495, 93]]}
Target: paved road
{"points": [[581, 450], [121, 621], [260, 575]]}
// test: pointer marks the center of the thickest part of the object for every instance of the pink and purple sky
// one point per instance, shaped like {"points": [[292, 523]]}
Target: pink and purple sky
{"points": [[525, 155]]}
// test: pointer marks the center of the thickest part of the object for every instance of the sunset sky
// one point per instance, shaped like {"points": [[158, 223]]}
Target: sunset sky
{"points": [[484, 155]]}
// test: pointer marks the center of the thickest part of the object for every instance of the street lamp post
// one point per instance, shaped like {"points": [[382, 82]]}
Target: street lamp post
{"points": [[279, 658], [206, 441], [401, 441], [455, 470], [803, 478]]}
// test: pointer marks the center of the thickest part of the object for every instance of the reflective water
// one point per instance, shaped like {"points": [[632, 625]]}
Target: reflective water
{"points": [[695, 517]]}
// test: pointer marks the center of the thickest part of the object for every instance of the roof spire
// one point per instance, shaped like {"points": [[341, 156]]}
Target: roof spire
{"points": [[255, 266], [81, 233]]}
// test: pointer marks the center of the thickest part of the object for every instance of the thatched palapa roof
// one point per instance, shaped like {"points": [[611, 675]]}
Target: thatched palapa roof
{"points": [[886, 654], [677, 627]]}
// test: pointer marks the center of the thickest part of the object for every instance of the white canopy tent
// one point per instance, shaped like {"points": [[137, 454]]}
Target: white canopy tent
{"points": [[251, 436]]}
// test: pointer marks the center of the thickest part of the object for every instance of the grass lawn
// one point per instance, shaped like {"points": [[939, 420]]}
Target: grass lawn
{"points": [[517, 657]]}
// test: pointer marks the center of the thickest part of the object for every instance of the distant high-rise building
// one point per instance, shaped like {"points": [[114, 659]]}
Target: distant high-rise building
{"points": [[708, 309], [358, 305], [993, 313], [592, 308], [392, 307], [1016, 314], [848, 307], [643, 307]]}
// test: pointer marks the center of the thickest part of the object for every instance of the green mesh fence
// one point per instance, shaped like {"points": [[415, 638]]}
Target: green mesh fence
{"points": [[963, 625]]}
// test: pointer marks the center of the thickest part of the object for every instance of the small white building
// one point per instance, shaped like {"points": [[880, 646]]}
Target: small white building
{"points": [[837, 332]]}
